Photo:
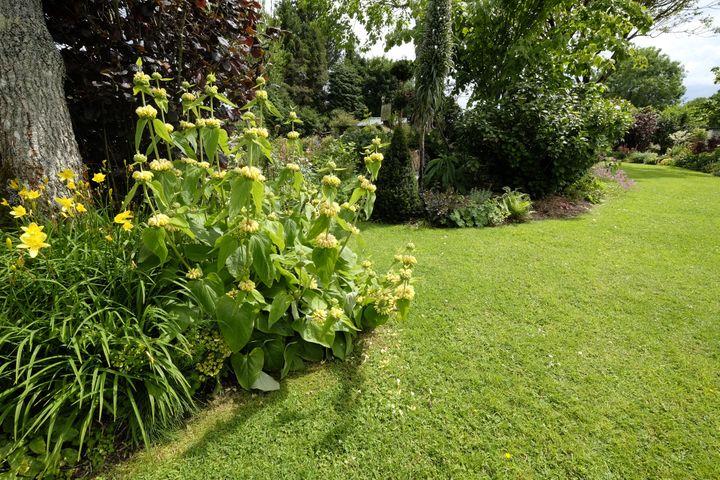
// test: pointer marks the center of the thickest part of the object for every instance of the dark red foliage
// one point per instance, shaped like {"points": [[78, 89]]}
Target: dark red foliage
{"points": [[100, 41]]}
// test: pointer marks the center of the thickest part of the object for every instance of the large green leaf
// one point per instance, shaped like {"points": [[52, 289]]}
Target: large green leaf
{"points": [[265, 383], [292, 359], [236, 321], [139, 129], [258, 194], [319, 225], [239, 195], [247, 367], [324, 260], [161, 130], [310, 331], [206, 291], [154, 240], [226, 246], [261, 249], [279, 306], [210, 137]]}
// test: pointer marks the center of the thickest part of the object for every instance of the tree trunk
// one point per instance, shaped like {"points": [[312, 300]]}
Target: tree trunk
{"points": [[36, 135], [421, 173]]}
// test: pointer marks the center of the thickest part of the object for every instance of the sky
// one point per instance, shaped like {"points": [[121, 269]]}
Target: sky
{"points": [[698, 54]]}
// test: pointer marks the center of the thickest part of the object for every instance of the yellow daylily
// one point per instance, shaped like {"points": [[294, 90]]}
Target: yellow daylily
{"points": [[33, 239], [123, 217], [66, 203], [18, 211], [29, 194], [66, 175]]}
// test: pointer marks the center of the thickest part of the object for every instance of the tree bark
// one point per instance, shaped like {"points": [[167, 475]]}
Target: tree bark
{"points": [[421, 173], [36, 135]]}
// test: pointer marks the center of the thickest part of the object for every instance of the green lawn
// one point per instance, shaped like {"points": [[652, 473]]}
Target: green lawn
{"points": [[583, 348]]}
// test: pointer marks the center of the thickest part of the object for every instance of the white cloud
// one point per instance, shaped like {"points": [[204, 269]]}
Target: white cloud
{"points": [[698, 54]]}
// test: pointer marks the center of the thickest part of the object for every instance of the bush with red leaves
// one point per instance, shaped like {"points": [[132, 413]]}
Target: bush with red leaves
{"points": [[100, 41]]}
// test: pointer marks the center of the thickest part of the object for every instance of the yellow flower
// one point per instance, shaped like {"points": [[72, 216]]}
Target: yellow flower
{"points": [[98, 178], [14, 184], [293, 135], [319, 316], [326, 240], [146, 112], [67, 204], [405, 292], [261, 94], [66, 175], [29, 194], [247, 285], [18, 212], [123, 217], [194, 273], [33, 239], [80, 208], [4, 202], [8, 243], [329, 209], [108, 238], [331, 181], [508, 455], [71, 185], [158, 220], [252, 173], [161, 165], [143, 176], [127, 226]]}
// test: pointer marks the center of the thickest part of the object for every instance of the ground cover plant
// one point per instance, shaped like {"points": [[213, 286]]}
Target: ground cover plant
{"points": [[115, 317], [582, 356]]}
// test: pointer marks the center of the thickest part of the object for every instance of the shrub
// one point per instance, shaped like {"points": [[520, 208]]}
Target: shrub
{"points": [[588, 188], [439, 206], [478, 209], [700, 162], [642, 131], [648, 158], [397, 198], [208, 269], [481, 209], [541, 141]]}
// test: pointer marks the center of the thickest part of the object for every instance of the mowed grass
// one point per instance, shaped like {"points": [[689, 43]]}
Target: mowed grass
{"points": [[583, 348]]}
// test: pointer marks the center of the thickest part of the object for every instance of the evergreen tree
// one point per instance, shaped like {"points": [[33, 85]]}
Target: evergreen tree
{"points": [[306, 66], [345, 91], [397, 188], [432, 65]]}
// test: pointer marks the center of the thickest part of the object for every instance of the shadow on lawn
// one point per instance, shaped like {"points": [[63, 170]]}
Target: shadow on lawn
{"points": [[349, 378]]}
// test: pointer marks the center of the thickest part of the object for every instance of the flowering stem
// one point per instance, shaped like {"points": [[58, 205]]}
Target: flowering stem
{"points": [[152, 138]]}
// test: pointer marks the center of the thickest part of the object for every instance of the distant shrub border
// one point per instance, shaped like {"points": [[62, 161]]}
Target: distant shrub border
{"points": [[112, 320]]}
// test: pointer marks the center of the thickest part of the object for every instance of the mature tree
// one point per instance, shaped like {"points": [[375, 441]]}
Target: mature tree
{"points": [[397, 193], [99, 41], [396, 21], [432, 65], [345, 89], [648, 78], [36, 135], [306, 69]]}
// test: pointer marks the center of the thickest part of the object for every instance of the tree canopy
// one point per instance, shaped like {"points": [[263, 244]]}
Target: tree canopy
{"points": [[648, 78]]}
